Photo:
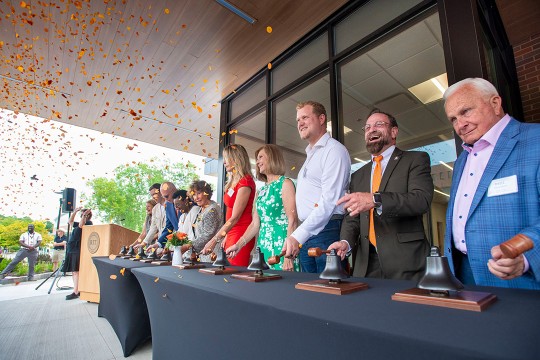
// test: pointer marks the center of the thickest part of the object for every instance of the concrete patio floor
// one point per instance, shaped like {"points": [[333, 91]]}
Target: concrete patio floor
{"points": [[36, 325]]}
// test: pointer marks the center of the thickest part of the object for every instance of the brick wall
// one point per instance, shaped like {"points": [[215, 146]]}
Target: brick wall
{"points": [[527, 56]]}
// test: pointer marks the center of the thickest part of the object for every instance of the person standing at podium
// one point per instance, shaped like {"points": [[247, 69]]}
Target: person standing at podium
{"points": [[73, 252]]}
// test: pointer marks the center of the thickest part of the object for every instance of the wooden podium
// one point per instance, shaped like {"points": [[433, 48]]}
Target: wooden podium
{"points": [[99, 240]]}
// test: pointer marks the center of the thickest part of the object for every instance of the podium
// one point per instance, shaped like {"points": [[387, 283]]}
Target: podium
{"points": [[99, 240]]}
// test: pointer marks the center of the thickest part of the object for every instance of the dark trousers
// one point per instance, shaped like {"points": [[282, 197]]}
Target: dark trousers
{"points": [[462, 267]]}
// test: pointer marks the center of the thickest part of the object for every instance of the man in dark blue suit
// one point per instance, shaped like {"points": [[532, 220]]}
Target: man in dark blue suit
{"points": [[167, 190], [495, 192]]}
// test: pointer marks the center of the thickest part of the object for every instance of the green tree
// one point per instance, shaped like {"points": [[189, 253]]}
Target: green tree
{"points": [[11, 229], [122, 200]]}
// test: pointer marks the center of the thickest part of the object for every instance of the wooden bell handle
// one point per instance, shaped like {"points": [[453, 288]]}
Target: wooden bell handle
{"points": [[273, 260], [317, 251], [516, 246]]}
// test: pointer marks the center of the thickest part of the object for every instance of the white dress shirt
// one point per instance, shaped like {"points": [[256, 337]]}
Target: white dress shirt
{"points": [[158, 223], [30, 239], [322, 180]]}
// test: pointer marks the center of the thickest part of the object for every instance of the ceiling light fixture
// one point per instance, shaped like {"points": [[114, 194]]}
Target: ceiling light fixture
{"points": [[237, 11], [360, 160], [442, 193], [430, 90], [166, 123], [445, 164], [33, 85]]}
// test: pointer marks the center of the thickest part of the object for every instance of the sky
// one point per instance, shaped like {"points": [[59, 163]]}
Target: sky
{"points": [[40, 157]]}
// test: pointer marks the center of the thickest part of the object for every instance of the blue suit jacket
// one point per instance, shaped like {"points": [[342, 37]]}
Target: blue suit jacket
{"points": [[170, 225], [495, 219]]}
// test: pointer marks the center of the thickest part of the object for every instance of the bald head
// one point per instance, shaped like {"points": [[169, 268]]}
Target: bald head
{"points": [[167, 190]]}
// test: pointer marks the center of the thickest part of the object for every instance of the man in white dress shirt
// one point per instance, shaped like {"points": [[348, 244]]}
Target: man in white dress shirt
{"points": [[322, 180], [158, 219], [29, 242]]}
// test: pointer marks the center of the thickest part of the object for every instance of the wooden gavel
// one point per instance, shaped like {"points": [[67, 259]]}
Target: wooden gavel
{"points": [[315, 252], [516, 246]]}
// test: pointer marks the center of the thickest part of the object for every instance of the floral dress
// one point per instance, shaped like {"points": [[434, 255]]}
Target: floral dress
{"points": [[273, 220]]}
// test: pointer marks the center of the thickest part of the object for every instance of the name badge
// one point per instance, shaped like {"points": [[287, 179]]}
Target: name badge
{"points": [[230, 192], [503, 186]]}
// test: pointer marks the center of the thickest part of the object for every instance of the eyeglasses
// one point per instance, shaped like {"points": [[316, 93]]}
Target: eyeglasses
{"points": [[377, 125]]}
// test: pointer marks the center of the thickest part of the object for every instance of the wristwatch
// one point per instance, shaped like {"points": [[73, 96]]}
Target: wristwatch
{"points": [[377, 199]]}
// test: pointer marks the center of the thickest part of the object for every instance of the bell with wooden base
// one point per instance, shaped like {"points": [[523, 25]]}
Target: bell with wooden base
{"points": [[439, 287], [141, 255], [331, 277], [192, 262], [258, 264], [165, 260], [221, 262], [150, 258], [123, 251], [130, 253]]}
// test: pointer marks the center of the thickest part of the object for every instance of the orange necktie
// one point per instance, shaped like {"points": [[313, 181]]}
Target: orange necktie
{"points": [[375, 183]]}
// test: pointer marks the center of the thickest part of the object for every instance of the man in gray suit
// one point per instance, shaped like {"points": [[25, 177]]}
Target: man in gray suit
{"points": [[386, 201]]}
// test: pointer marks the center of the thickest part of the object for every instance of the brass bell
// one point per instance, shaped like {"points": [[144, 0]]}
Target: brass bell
{"points": [[131, 251], [141, 253], [123, 251], [166, 256], [333, 270], [258, 263], [152, 256], [221, 259], [438, 277]]}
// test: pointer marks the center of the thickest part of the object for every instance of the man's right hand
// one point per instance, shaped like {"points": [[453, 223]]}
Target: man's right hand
{"points": [[291, 247], [341, 247]]}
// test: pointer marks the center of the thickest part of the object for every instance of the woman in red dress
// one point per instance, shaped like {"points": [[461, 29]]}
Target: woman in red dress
{"points": [[238, 198]]}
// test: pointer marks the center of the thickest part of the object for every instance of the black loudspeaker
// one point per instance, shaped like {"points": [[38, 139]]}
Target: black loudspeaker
{"points": [[68, 199]]}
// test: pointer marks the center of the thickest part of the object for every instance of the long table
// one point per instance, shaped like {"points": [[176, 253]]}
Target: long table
{"points": [[203, 316], [122, 301]]}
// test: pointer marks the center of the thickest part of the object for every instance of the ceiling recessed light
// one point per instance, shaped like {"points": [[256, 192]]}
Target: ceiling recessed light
{"points": [[430, 90]]}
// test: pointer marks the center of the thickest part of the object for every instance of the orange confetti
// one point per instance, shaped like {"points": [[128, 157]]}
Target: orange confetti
{"points": [[122, 271], [166, 11], [112, 257], [112, 277], [156, 280], [269, 66], [269, 29], [23, 4]]}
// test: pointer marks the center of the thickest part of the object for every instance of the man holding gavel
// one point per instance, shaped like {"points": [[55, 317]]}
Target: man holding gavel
{"points": [[495, 190]]}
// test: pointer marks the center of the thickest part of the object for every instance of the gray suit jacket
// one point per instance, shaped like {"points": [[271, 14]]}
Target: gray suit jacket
{"points": [[406, 191]]}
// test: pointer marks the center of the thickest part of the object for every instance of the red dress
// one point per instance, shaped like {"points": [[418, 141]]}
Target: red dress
{"points": [[234, 234]]}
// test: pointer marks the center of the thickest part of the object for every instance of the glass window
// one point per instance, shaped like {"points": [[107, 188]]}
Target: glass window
{"points": [[251, 134], [299, 64], [286, 132], [248, 98], [406, 77], [368, 18]]}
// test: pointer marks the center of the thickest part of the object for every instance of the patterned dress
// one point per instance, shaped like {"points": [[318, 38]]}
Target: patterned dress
{"points": [[274, 221]]}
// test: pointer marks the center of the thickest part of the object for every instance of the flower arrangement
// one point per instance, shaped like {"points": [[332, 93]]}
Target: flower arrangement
{"points": [[177, 238]]}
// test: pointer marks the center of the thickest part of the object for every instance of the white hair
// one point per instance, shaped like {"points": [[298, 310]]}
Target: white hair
{"points": [[484, 87]]}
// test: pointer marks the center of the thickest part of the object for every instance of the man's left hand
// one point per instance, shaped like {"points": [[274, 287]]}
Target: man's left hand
{"points": [[357, 202], [505, 268]]}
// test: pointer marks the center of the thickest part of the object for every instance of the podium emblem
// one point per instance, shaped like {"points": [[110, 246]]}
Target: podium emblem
{"points": [[93, 242]]}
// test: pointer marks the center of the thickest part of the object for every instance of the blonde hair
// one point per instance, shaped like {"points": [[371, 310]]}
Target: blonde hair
{"points": [[239, 158], [276, 162], [318, 108], [152, 202]]}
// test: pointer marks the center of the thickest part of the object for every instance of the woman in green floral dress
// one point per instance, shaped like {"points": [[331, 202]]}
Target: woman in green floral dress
{"points": [[274, 216]]}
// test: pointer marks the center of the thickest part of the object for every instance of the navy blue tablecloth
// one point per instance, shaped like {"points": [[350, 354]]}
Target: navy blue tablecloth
{"points": [[122, 301], [196, 316]]}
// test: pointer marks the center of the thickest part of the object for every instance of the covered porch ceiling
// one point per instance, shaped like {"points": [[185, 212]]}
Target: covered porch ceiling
{"points": [[149, 70]]}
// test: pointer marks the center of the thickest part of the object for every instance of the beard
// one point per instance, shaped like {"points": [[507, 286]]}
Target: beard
{"points": [[376, 146]]}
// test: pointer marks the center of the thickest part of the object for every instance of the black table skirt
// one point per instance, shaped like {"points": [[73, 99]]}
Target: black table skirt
{"points": [[218, 317], [122, 302]]}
